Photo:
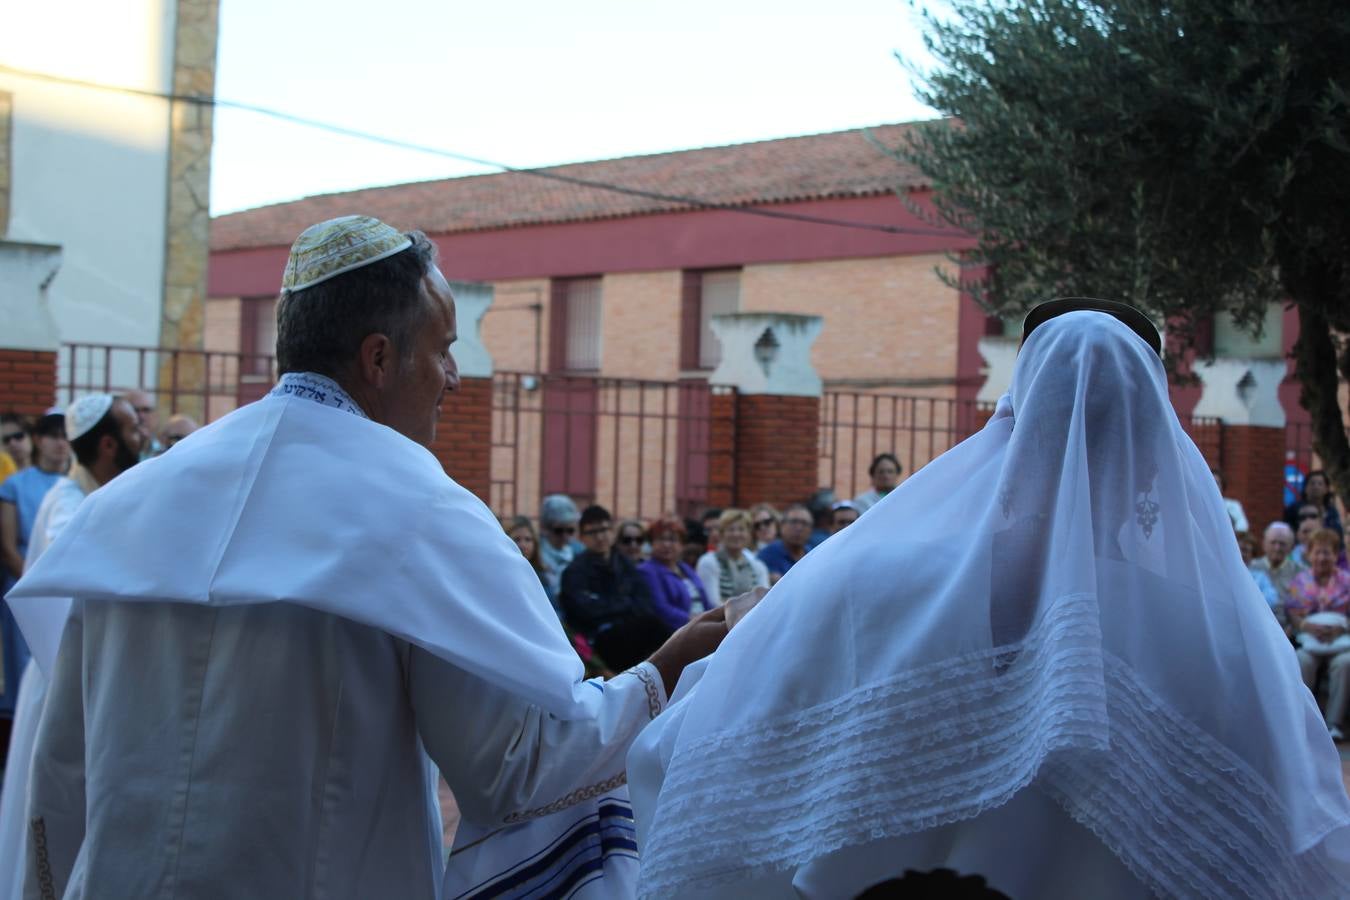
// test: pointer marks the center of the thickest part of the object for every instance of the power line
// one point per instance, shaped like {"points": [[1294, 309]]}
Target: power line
{"points": [[345, 131]]}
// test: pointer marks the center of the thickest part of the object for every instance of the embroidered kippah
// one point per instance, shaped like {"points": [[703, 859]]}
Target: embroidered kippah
{"points": [[85, 413], [330, 248]]}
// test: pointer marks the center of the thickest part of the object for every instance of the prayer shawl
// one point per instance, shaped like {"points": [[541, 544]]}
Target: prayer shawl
{"points": [[282, 502], [1049, 628], [587, 852]]}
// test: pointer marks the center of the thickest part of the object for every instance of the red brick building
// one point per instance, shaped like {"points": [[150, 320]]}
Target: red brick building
{"points": [[622, 284]]}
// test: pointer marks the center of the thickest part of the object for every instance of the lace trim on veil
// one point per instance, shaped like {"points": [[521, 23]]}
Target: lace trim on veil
{"points": [[1187, 816], [945, 742], [933, 745]]}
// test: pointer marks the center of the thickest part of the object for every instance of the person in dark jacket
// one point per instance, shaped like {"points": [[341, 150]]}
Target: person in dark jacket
{"points": [[676, 589], [606, 599], [1317, 491]]}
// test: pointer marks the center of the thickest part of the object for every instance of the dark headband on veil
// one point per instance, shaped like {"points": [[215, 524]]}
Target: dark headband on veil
{"points": [[1136, 320]]}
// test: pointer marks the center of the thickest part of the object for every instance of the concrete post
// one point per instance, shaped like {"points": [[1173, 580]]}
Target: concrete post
{"points": [[29, 342], [464, 439], [1244, 395], [766, 357]]}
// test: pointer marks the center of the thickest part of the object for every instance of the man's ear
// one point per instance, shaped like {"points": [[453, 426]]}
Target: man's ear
{"points": [[376, 360], [107, 447]]}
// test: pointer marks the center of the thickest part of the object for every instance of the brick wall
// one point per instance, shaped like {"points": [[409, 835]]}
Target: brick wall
{"points": [[887, 319], [722, 449], [464, 437], [776, 448], [27, 381], [508, 328], [1253, 472], [640, 325]]}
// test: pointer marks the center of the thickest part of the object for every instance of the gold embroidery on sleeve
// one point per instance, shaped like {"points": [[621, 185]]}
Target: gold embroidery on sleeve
{"points": [[571, 799]]}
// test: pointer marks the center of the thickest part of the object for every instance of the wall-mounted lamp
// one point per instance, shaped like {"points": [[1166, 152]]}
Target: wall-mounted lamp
{"points": [[766, 349]]}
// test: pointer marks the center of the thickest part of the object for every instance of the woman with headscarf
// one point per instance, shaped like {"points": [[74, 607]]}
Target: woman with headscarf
{"points": [[1042, 663], [558, 517]]}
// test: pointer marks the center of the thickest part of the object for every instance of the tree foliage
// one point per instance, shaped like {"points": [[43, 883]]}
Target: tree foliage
{"points": [[1190, 157]]}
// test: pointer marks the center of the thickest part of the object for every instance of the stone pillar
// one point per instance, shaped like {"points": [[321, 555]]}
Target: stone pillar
{"points": [[187, 217], [29, 341], [464, 439], [766, 357], [1244, 395]]}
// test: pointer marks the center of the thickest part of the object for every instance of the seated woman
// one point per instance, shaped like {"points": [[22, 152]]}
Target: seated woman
{"points": [[730, 570], [1319, 600], [764, 519], [676, 589], [631, 537]]}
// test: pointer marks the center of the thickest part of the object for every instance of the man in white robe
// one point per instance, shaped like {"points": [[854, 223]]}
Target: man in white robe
{"points": [[270, 625], [1040, 662], [107, 440]]}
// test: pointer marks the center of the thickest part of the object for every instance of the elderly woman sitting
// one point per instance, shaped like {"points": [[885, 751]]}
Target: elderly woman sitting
{"points": [[730, 570], [1319, 600]]}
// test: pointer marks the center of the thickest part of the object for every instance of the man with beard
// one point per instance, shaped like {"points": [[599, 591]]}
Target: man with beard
{"points": [[106, 437]]}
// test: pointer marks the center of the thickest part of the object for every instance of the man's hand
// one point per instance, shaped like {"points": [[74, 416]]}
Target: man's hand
{"points": [[690, 643]]}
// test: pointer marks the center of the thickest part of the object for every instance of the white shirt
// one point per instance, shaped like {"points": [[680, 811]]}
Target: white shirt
{"points": [[275, 751]]}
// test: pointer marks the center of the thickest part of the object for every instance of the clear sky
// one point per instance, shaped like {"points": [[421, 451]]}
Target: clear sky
{"points": [[538, 82]]}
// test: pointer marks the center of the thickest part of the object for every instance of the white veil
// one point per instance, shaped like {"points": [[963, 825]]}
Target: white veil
{"points": [[1057, 601]]}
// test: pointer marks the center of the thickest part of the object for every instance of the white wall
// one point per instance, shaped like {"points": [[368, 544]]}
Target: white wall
{"points": [[90, 167]]}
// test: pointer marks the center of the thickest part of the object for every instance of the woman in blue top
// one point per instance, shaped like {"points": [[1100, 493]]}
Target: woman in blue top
{"points": [[20, 496], [676, 589]]}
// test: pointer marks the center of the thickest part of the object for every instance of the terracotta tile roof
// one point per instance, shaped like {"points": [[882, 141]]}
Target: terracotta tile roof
{"points": [[814, 167]]}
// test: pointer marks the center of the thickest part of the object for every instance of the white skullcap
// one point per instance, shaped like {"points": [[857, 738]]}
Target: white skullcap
{"points": [[85, 413], [330, 248]]}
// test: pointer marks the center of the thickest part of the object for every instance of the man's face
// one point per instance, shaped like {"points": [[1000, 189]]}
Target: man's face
{"points": [[598, 537], [796, 528], [844, 518], [131, 436], [1277, 545], [885, 476], [144, 407], [420, 382]]}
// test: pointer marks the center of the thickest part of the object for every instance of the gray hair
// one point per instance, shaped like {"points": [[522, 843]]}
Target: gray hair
{"points": [[558, 509], [320, 328], [1279, 528]]}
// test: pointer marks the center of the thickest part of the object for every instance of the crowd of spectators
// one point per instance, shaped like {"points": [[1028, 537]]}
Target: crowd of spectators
{"points": [[34, 456], [1303, 574], [620, 588]]}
